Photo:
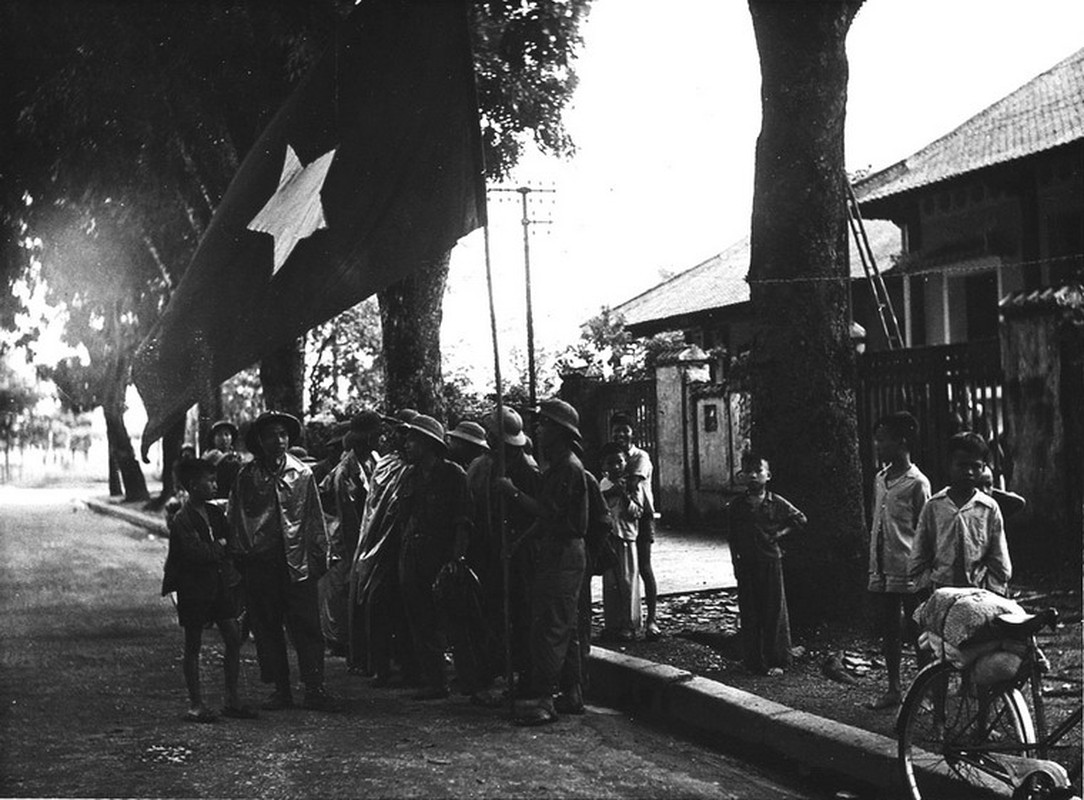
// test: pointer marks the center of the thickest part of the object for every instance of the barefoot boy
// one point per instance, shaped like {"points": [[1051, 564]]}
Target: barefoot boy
{"points": [[758, 521], [207, 586], [900, 490]]}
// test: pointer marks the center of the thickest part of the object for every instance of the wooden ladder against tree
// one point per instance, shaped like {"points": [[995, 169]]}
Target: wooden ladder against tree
{"points": [[890, 325]]}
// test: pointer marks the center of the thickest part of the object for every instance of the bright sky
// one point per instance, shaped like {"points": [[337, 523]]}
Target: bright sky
{"points": [[665, 120]]}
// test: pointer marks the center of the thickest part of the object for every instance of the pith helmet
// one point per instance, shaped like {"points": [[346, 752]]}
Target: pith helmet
{"points": [[289, 421], [511, 430], [562, 413], [470, 432], [428, 427], [226, 425], [401, 417]]}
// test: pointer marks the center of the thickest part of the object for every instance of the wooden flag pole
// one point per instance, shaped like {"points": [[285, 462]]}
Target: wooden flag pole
{"points": [[505, 555]]}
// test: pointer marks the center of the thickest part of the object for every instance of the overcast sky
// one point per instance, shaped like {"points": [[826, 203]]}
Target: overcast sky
{"points": [[665, 120]]}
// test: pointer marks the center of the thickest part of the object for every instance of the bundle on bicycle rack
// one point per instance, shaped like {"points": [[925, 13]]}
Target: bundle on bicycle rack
{"points": [[956, 624]]}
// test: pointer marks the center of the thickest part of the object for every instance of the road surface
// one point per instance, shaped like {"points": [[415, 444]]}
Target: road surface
{"points": [[92, 698]]}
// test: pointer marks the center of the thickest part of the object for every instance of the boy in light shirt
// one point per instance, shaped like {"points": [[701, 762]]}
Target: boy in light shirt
{"points": [[960, 540]]}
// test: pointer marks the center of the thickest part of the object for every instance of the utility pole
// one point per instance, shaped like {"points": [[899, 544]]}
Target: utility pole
{"points": [[527, 222]]}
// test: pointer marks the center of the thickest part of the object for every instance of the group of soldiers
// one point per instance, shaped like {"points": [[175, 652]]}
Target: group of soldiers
{"points": [[424, 542]]}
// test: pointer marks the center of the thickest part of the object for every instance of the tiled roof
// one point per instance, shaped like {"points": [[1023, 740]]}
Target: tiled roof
{"points": [[1042, 114], [720, 281]]}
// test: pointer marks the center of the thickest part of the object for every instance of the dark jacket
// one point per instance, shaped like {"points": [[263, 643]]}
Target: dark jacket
{"points": [[196, 562]]}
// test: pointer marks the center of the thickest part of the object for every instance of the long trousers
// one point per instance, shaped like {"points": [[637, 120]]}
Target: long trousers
{"points": [[276, 603], [762, 605], [555, 594], [418, 568]]}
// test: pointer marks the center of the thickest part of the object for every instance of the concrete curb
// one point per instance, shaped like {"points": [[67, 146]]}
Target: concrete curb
{"points": [[142, 519], [677, 696]]}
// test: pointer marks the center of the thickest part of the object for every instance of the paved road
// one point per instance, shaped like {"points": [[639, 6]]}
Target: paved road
{"points": [[92, 695], [686, 561]]}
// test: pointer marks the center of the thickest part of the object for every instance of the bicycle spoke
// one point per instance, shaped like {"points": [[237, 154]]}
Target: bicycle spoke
{"points": [[951, 733]]}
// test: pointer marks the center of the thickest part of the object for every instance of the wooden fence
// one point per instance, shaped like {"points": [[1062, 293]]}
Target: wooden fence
{"points": [[949, 388]]}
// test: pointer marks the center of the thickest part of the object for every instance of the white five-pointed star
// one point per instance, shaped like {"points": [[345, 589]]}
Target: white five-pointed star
{"points": [[294, 211]]}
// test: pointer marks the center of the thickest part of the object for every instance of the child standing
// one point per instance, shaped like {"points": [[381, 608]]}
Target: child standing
{"points": [[758, 520], [960, 540], [621, 584], [900, 490], [207, 585]]}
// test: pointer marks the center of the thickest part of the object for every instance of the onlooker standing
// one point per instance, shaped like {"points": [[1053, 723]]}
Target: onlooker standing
{"points": [[466, 441], [1010, 503], [436, 528], [900, 490], [378, 627], [758, 520], [278, 538], [557, 547], [207, 586], [349, 486], [621, 584], [639, 470], [960, 539], [484, 554], [224, 456]]}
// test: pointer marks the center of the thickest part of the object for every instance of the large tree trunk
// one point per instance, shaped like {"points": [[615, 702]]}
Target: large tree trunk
{"points": [[172, 440], [116, 487], [122, 454], [804, 418], [282, 376], [410, 313]]}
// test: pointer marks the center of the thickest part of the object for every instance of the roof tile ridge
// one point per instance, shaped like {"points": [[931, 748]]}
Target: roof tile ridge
{"points": [[938, 143], [684, 273]]}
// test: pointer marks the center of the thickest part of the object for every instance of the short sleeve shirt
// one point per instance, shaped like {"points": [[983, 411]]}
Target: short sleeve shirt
{"points": [[753, 529]]}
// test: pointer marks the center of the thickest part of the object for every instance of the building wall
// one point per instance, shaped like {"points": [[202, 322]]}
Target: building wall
{"points": [[1024, 223], [670, 500]]}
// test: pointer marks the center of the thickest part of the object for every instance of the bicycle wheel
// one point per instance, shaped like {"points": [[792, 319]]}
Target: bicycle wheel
{"points": [[955, 739]]}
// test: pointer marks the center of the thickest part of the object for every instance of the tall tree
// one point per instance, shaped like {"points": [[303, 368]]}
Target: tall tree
{"points": [[128, 129], [803, 363], [148, 110], [523, 57]]}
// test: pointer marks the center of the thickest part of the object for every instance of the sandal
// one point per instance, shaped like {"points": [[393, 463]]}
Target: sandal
{"points": [[202, 716]]}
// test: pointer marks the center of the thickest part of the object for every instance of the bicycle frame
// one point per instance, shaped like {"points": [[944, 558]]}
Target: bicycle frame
{"points": [[1014, 761]]}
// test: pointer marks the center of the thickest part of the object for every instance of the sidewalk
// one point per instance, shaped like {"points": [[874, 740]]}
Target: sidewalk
{"points": [[688, 561]]}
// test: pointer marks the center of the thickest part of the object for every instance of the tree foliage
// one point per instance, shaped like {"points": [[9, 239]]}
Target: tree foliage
{"points": [[607, 350], [345, 363], [130, 121]]}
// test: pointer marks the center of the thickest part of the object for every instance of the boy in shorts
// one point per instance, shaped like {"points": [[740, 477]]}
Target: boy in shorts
{"points": [[207, 586]]}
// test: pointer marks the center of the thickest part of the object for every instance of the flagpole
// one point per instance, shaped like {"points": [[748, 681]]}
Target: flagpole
{"points": [[499, 443]]}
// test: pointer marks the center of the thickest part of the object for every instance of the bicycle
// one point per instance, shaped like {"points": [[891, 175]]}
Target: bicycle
{"points": [[959, 738]]}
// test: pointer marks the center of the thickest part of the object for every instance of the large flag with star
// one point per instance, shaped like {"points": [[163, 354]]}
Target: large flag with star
{"points": [[370, 171]]}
